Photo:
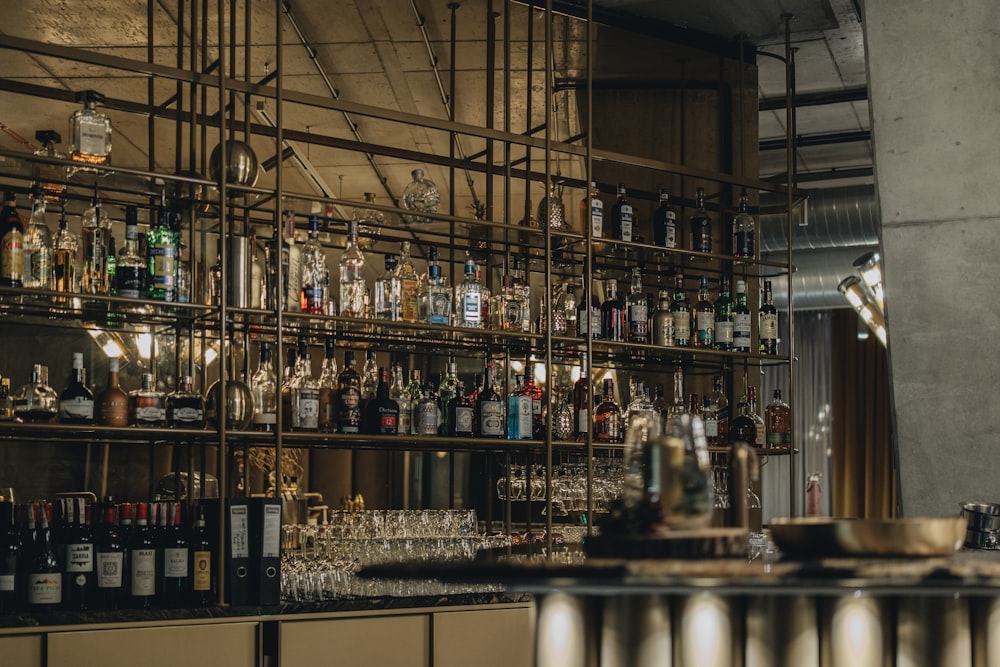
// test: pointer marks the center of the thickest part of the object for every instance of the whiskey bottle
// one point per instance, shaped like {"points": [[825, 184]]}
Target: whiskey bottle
{"points": [[758, 421], [408, 284], [328, 388], [113, 402], [778, 424], [37, 401], [681, 311], [90, 131], [704, 317], [461, 414], [161, 256], [701, 226], [768, 329], [469, 298], [264, 387], [51, 177], [622, 217], [11, 243], [490, 408], [724, 317], [398, 393], [581, 400], [37, 255], [608, 417], [612, 313], [76, 402], [388, 293], [147, 405], [663, 321], [186, 407], [665, 223], [743, 428], [130, 270], [313, 273], [349, 397], [638, 310], [65, 258], [592, 212], [744, 245], [383, 412], [741, 319], [353, 290]]}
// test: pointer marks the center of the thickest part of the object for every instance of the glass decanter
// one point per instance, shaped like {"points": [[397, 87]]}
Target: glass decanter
{"points": [[421, 196]]}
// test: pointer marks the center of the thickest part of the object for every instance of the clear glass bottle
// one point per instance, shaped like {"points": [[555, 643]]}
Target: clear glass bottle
{"points": [[490, 406], [680, 308], [291, 263], [426, 414], [264, 387], [518, 412], [186, 407], [388, 292], [398, 393], [613, 315], [328, 388], [701, 226], [522, 290], [161, 256], [446, 391], [778, 424], [36, 401], [409, 284], [184, 281], [353, 290], [660, 404], [306, 394], [6, 401], [622, 217], [744, 241], [469, 298], [608, 417], [11, 243], [313, 272], [592, 212], [257, 277], [768, 329], [65, 258], [37, 245], [703, 317], [289, 391], [758, 421], [439, 295], [507, 307], [638, 311], [76, 402], [90, 131], [369, 376], [741, 319], [724, 317], [720, 408], [420, 196], [50, 177], [677, 405], [663, 321], [147, 405], [130, 270], [665, 222], [370, 222]]}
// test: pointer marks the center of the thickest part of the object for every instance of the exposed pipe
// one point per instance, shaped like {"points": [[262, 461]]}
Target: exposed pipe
{"points": [[831, 218], [817, 274]]}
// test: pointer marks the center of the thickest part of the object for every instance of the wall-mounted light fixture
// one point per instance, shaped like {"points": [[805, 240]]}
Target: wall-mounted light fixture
{"points": [[865, 306], [869, 268]]}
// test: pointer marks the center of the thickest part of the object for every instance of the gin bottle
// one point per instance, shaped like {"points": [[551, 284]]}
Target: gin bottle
{"points": [[518, 412], [37, 246], [490, 408], [622, 217], [353, 290], [420, 196], [388, 292], [313, 273], [469, 297], [90, 131]]}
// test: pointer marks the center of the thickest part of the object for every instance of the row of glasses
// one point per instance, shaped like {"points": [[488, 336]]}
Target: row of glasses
{"points": [[569, 485]]}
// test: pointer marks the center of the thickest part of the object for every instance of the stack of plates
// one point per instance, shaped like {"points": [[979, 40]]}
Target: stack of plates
{"points": [[983, 531]]}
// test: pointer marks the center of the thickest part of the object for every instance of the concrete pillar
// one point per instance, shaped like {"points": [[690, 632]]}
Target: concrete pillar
{"points": [[934, 85]]}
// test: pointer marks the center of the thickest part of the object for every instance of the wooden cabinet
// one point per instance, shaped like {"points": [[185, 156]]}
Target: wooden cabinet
{"points": [[22, 651], [488, 638], [377, 641]]}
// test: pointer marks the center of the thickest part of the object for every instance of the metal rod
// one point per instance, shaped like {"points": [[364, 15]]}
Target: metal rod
{"points": [[179, 94], [549, 52], [791, 159], [150, 89], [223, 454], [588, 283], [279, 184]]}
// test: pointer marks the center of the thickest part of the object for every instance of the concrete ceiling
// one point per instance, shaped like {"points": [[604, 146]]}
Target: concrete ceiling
{"points": [[374, 52]]}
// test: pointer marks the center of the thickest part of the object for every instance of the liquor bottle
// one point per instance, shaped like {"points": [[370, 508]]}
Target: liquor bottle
{"points": [[369, 377], [186, 407], [581, 400], [388, 297], [703, 317], [65, 256], [701, 226], [663, 321], [174, 582], [768, 329], [112, 404], [414, 389], [724, 325], [660, 404], [522, 291], [130, 269], [613, 314], [778, 423], [538, 411], [6, 401], [37, 254], [370, 222], [622, 217], [468, 298], [313, 272], [112, 267], [446, 391], [79, 579], [90, 131], [681, 311], [638, 311], [408, 282], [563, 311], [76, 402], [744, 245], [588, 316], [11, 554], [257, 291], [289, 387], [518, 412], [426, 418], [141, 561], [507, 307], [720, 409], [200, 570], [161, 256], [398, 393], [328, 388], [147, 406], [305, 407], [353, 290], [215, 277], [665, 223], [677, 405], [109, 559], [608, 417], [438, 293], [184, 280], [11, 243], [37, 401], [50, 177], [489, 407], [349, 397], [420, 196], [264, 387], [461, 414], [291, 264], [758, 421], [44, 570], [382, 412], [592, 212], [741, 319]]}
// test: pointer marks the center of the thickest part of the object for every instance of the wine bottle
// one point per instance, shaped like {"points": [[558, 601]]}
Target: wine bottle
{"points": [[142, 561], [200, 571], [174, 582], [79, 581], [10, 554], [44, 569], [109, 556]]}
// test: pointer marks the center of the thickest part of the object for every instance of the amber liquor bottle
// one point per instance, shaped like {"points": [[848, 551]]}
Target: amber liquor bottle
{"points": [[113, 402], [608, 417]]}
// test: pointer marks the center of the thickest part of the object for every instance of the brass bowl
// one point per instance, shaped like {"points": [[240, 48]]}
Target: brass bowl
{"points": [[806, 537], [901, 537]]}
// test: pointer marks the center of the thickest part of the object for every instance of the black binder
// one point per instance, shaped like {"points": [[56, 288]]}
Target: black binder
{"points": [[265, 559], [239, 552]]}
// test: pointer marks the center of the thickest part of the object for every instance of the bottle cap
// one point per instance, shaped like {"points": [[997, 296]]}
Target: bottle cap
{"points": [[113, 364], [417, 174], [78, 361], [349, 358], [470, 266]]}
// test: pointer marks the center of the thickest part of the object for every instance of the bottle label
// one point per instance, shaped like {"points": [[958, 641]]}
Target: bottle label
{"points": [[519, 414], [682, 326], [45, 588], [109, 569], [663, 333], [12, 255], [408, 303], [463, 420], [403, 421], [711, 427], [583, 420], [143, 572], [150, 414], [777, 439], [638, 322], [426, 418], [163, 257], [202, 571], [308, 408], [472, 308], [439, 311], [491, 419], [741, 330], [91, 136], [175, 562], [388, 422], [6, 583], [313, 297], [349, 414], [79, 557], [596, 218], [724, 332], [625, 218], [769, 326], [670, 230], [268, 417], [610, 428], [80, 407], [706, 327], [131, 280], [188, 415]]}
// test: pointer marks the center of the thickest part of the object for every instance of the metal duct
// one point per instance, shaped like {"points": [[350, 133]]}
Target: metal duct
{"points": [[817, 274], [836, 218]]}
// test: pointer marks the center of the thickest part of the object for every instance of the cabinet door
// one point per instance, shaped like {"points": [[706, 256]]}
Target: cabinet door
{"points": [[23, 651], [399, 641], [484, 638], [215, 645]]}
